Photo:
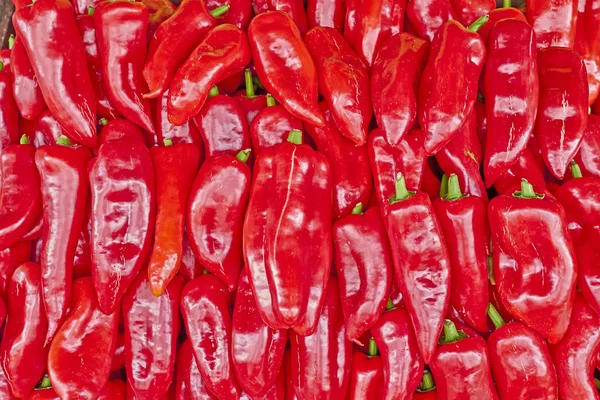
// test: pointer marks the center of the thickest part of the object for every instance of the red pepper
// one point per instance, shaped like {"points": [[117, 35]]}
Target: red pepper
{"points": [[113, 390], [186, 133], [9, 113], [123, 209], [174, 169], [82, 263], [215, 215], [10, 259], [563, 87], [586, 246], [343, 82], [61, 70], [158, 12], [5, 53], [461, 366], [280, 57], [44, 130], [64, 183], [498, 14], [366, 375], [468, 11], [223, 51], [251, 103], [352, 181], [427, 16], [117, 129], [121, 33], [238, 14], [587, 35], [293, 8], [431, 184], [554, 22], [27, 93], [290, 181], [449, 82], [231, 84], [419, 251], [151, 331], [402, 363], [511, 91], [588, 156], [525, 168], [189, 384], [80, 355], [394, 83], [118, 359], [5, 387], [190, 266], [205, 309], [330, 13], [534, 260], [257, 350], [321, 362], [426, 389]]}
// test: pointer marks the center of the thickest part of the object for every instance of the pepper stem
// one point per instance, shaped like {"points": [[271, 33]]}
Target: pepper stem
{"points": [[372, 348], [357, 209], [427, 383], [527, 191], [217, 12], [257, 82], [506, 3], [479, 22], [597, 383], [214, 91], [270, 101], [575, 170], [205, 272], [63, 141], [402, 192], [90, 10], [454, 192], [11, 42], [103, 121], [243, 155], [24, 140], [451, 334], [44, 383], [1, 66], [490, 266], [168, 142], [495, 316], [249, 85], [444, 186], [295, 136], [390, 305]]}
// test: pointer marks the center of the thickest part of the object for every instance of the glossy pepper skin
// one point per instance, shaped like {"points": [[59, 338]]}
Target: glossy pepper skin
{"points": [[588, 157], [467, 11], [587, 34], [349, 165], [563, 85], [343, 82], [80, 355], [10, 259], [554, 22], [289, 286], [510, 73], [280, 56], [121, 33], [215, 215], [123, 209], [186, 133], [61, 70], [427, 16], [64, 185], [151, 331], [418, 250], [174, 170], [119, 128], [42, 131], [321, 361], [394, 84], [448, 87], [498, 14], [326, 13], [366, 376], [525, 168], [238, 14], [293, 8], [534, 260], [250, 102], [9, 113], [586, 247], [20, 194], [26, 89], [204, 305], [189, 384]]}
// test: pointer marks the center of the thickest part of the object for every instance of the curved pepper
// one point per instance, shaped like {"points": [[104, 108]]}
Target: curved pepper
{"points": [[151, 331], [293, 8], [26, 89], [343, 82], [498, 14], [174, 169], [394, 84], [587, 36], [553, 21], [366, 375], [238, 14], [117, 129], [86, 338], [42, 131], [215, 215], [290, 181], [9, 113], [280, 57], [534, 260], [251, 103], [525, 168], [205, 309], [427, 16], [189, 384], [186, 133], [10, 259], [467, 11], [330, 13], [588, 156]]}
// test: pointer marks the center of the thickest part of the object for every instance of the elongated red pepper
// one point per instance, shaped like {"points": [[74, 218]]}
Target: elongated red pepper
{"points": [[117, 129], [586, 246], [271, 126], [189, 385], [343, 82], [588, 156], [10, 259], [215, 215], [280, 56], [5, 390], [418, 249], [174, 169], [123, 59], [554, 22], [238, 14], [293, 8], [366, 375], [64, 183], [251, 103], [394, 83], [427, 16], [468, 11], [86, 338], [186, 133], [563, 86], [587, 34], [26, 89], [534, 261], [289, 286], [330, 13], [525, 168], [511, 91], [204, 305], [9, 113]]}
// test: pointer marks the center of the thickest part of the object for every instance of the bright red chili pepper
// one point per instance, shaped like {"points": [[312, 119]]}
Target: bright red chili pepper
{"points": [[113, 390], [562, 114], [554, 22], [468, 11], [26, 89], [80, 355], [280, 57], [174, 169], [251, 103], [290, 181], [10, 259], [293, 8], [190, 266], [239, 13], [330, 13], [189, 384], [35, 232], [366, 375], [118, 359], [5, 387], [215, 215], [588, 156], [427, 16], [525, 168], [117, 129], [82, 263], [588, 255], [587, 35], [186, 133], [205, 309], [9, 113], [498, 14]]}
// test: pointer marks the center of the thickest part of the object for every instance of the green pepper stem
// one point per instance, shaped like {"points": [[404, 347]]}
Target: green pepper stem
{"points": [[11, 42], [270, 101], [506, 3], [490, 266], [479, 22], [90, 10], [357, 209], [402, 192], [243, 155], [217, 12], [63, 141], [527, 191], [427, 383], [205, 272], [295, 136], [575, 170], [390, 305], [44, 383], [1, 66], [214, 91], [495, 316], [454, 192], [372, 348], [103, 121], [24, 140], [168, 142], [451, 334], [257, 82], [597, 383], [444, 186], [249, 85]]}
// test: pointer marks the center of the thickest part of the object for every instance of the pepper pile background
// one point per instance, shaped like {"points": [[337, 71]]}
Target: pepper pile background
{"points": [[270, 199]]}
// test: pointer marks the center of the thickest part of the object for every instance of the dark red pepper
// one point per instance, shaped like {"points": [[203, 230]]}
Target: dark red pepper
{"points": [[186, 133], [189, 385], [27, 93], [431, 184], [427, 16], [118, 359], [525, 168], [9, 113], [588, 156], [329, 13], [293, 8], [554, 22], [10, 259], [158, 12]]}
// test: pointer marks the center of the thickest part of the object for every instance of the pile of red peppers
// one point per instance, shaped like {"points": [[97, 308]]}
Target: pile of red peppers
{"points": [[281, 199]]}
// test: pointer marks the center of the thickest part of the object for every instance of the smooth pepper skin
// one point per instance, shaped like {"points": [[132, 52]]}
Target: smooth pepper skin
{"points": [[239, 13], [271, 126], [121, 28], [343, 82], [352, 181], [61, 71], [22, 349], [291, 183], [151, 331], [330, 13], [175, 168], [215, 216], [588, 157], [448, 87], [554, 22], [26, 89], [524, 168], [293, 8], [467, 11], [189, 384], [81, 353], [400, 357], [280, 57], [10, 259], [9, 113], [588, 256], [321, 362], [257, 350], [394, 84], [120, 128], [366, 377], [64, 185], [580, 198], [563, 86], [587, 35], [42, 131], [511, 90], [427, 16], [186, 133], [123, 209], [364, 272], [499, 14], [205, 309]]}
